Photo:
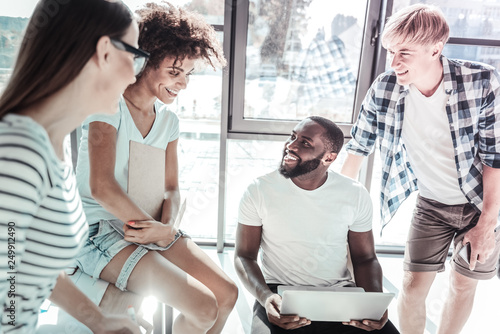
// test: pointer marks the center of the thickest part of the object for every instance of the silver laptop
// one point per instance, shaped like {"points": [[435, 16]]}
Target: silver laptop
{"points": [[283, 288], [327, 305]]}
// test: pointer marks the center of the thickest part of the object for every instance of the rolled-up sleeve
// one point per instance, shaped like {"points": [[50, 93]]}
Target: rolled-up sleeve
{"points": [[364, 131], [489, 124]]}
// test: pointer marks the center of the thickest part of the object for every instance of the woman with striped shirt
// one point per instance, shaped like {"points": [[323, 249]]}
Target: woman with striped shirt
{"points": [[76, 58]]}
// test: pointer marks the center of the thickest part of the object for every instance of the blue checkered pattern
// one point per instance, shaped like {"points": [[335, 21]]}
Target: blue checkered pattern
{"points": [[324, 71], [474, 117]]}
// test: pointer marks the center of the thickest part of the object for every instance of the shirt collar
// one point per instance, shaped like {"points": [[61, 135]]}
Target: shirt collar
{"points": [[450, 75]]}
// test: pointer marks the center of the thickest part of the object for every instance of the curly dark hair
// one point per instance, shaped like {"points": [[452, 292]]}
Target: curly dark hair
{"points": [[169, 31]]}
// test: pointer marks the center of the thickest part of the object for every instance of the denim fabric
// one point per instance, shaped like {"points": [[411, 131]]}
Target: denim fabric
{"points": [[104, 243]]}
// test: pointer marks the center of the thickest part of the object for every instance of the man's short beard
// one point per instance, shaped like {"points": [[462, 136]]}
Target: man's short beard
{"points": [[301, 168]]}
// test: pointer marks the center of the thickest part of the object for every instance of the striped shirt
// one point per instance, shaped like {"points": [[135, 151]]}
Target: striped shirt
{"points": [[473, 111], [42, 224]]}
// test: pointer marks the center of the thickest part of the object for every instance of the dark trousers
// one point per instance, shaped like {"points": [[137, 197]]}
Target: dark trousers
{"points": [[261, 325]]}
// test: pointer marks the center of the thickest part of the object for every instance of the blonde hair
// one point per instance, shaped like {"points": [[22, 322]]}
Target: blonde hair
{"points": [[416, 24]]}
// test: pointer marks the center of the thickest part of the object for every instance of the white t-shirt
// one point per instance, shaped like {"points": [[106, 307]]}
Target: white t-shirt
{"points": [[165, 129], [304, 233], [427, 137]]}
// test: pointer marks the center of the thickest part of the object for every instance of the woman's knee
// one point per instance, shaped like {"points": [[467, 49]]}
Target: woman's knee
{"points": [[229, 296], [205, 313]]}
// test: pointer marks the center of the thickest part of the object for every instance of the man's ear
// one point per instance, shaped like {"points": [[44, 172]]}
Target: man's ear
{"points": [[437, 49], [102, 51], [328, 158]]}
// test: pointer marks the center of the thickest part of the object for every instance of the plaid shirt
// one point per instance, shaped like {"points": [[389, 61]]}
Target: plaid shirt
{"points": [[324, 71], [474, 119]]}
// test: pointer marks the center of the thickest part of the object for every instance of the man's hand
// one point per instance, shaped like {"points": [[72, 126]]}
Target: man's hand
{"points": [[482, 240], [112, 324], [149, 231], [273, 309], [369, 325]]}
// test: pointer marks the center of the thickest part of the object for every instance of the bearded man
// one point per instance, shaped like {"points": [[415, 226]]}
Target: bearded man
{"points": [[304, 217]]}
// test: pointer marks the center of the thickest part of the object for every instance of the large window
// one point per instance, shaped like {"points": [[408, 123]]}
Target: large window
{"points": [[298, 58], [302, 60]]}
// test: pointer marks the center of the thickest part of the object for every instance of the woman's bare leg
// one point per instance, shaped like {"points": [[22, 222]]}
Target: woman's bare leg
{"points": [[154, 275], [193, 260]]}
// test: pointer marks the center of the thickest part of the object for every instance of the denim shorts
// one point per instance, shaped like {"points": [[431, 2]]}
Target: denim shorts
{"points": [[434, 226], [104, 243]]}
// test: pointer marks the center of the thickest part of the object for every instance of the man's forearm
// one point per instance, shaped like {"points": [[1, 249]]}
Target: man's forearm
{"points": [[352, 165], [67, 296], [251, 276], [368, 275], [491, 193]]}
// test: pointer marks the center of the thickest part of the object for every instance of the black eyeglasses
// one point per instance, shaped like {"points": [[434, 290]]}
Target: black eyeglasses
{"points": [[140, 56]]}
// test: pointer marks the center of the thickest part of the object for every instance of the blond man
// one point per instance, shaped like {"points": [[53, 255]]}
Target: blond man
{"points": [[438, 127]]}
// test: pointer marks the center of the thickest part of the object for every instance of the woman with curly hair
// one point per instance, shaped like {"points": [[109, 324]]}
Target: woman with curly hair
{"points": [[127, 247]]}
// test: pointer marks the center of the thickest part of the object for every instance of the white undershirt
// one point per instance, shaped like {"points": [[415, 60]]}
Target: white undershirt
{"points": [[426, 135], [304, 232]]}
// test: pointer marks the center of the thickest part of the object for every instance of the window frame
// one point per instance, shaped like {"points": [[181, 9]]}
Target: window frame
{"points": [[238, 125]]}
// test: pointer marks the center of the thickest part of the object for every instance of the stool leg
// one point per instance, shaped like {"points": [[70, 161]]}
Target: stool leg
{"points": [[163, 319], [169, 318]]}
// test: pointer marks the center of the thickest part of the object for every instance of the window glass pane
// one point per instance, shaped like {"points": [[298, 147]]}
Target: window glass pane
{"points": [[199, 179], [199, 111], [302, 58], [11, 33], [484, 54], [247, 160], [467, 18], [487, 55], [212, 10]]}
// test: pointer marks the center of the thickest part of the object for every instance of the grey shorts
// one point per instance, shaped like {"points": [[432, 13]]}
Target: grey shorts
{"points": [[434, 226], [104, 243]]}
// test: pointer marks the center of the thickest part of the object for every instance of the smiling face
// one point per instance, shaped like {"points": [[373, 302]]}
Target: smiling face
{"points": [[414, 63], [168, 80], [304, 150]]}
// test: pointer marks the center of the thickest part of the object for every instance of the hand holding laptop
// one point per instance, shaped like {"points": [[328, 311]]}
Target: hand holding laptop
{"points": [[350, 305], [273, 310], [149, 231], [152, 231], [368, 324]]}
